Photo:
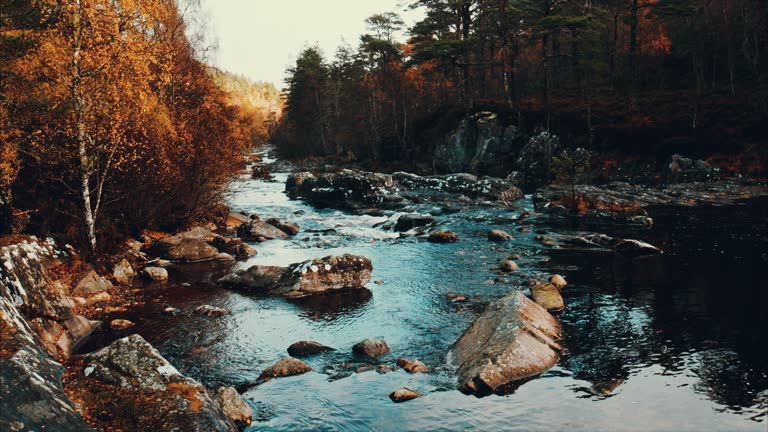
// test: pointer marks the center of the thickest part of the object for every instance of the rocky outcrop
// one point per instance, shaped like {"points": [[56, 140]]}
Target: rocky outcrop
{"points": [[318, 276], [141, 390], [476, 144], [347, 189], [371, 348], [513, 340]]}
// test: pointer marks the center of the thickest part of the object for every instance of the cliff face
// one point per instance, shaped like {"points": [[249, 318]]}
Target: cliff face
{"points": [[38, 326]]}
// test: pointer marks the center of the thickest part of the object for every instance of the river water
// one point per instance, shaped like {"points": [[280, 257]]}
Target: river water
{"points": [[673, 342]]}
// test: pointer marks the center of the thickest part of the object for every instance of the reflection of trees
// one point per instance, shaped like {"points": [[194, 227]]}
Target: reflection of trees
{"points": [[331, 306]]}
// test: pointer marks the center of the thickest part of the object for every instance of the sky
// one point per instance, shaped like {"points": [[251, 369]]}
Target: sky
{"points": [[261, 38]]}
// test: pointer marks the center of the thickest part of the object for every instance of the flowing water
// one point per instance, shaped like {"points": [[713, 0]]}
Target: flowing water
{"points": [[673, 342]]}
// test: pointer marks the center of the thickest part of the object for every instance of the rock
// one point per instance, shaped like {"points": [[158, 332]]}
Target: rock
{"points": [[234, 220], [123, 272], [558, 281], [318, 276], [546, 240], [680, 169], [519, 342], [233, 406], [171, 311], [91, 284], [307, 348], [443, 237], [134, 245], [260, 231], [156, 274], [535, 159], [185, 250], [627, 247], [287, 227], [120, 324], [408, 222], [548, 296], [456, 298], [224, 257], [633, 248], [140, 389], [508, 266], [403, 395], [371, 348], [287, 366], [98, 298], [412, 366], [499, 236], [234, 247], [295, 181], [211, 311]]}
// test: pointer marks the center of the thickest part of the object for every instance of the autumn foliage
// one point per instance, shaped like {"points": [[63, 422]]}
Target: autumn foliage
{"points": [[110, 119]]}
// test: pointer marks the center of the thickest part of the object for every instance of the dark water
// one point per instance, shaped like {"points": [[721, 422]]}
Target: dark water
{"points": [[676, 342]]}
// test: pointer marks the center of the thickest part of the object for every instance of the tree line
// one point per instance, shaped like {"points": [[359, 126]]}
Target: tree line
{"points": [[110, 121], [372, 101]]}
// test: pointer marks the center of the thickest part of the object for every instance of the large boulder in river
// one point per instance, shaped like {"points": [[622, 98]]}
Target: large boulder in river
{"points": [[347, 189], [260, 231], [408, 222], [140, 390], [513, 340], [371, 348], [317, 276]]}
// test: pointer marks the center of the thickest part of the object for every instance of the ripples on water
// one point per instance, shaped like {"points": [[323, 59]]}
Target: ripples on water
{"points": [[675, 342]]}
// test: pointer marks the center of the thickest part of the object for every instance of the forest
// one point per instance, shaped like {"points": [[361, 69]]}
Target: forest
{"points": [[606, 74], [111, 121]]}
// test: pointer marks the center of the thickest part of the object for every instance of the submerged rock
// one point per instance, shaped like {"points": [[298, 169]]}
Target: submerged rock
{"points": [[140, 389], [307, 348], [443, 237], [318, 276], [403, 394], [519, 341], [287, 366], [371, 348], [233, 406], [548, 297]]}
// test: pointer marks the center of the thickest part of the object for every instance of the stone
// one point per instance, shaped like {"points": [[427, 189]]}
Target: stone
{"points": [[287, 366], [558, 281], [98, 298], [508, 266], [535, 159], [412, 366], [519, 342], [211, 311], [233, 406], [185, 250], [170, 310], [548, 296], [499, 236], [403, 394], [156, 274], [546, 240], [371, 348], [307, 348], [680, 169], [408, 222], [318, 276], [91, 284], [443, 237], [260, 231], [123, 272], [134, 245], [287, 227], [121, 324], [234, 220]]}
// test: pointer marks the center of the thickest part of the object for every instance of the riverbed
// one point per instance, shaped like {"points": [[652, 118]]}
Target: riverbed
{"points": [[669, 342]]}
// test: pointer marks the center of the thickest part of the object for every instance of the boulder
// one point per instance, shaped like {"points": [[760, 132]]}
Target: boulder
{"points": [[508, 266], [287, 227], [318, 276], [403, 394], [513, 340], [371, 348], [558, 281], [408, 222], [233, 406], [287, 366], [680, 169], [140, 389], [548, 297], [412, 366], [156, 274], [347, 189], [184, 249], [535, 159], [499, 236], [295, 181], [234, 246], [121, 324], [443, 237], [123, 272], [234, 220], [91, 284], [307, 348], [260, 231]]}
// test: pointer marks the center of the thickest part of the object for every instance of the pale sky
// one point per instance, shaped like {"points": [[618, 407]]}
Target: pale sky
{"points": [[260, 38]]}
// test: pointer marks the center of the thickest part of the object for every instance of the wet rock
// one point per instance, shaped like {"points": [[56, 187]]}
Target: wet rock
{"points": [[91, 284], [295, 181], [307, 348], [412, 366], [260, 231], [443, 237], [233, 406], [134, 245], [121, 324], [535, 159], [548, 297], [123, 272], [371, 348], [499, 236], [476, 144], [171, 311], [546, 240], [156, 274], [508, 266], [211, 311], [224, 257], [318, 276], [403, 395], [287, 366], [187, 246], [519, 342], [287, 227], [140, 389], [408, 222], [558, 281], [627, 247], [263, 172], [234, 247], [234, 220], [680, 169]]}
